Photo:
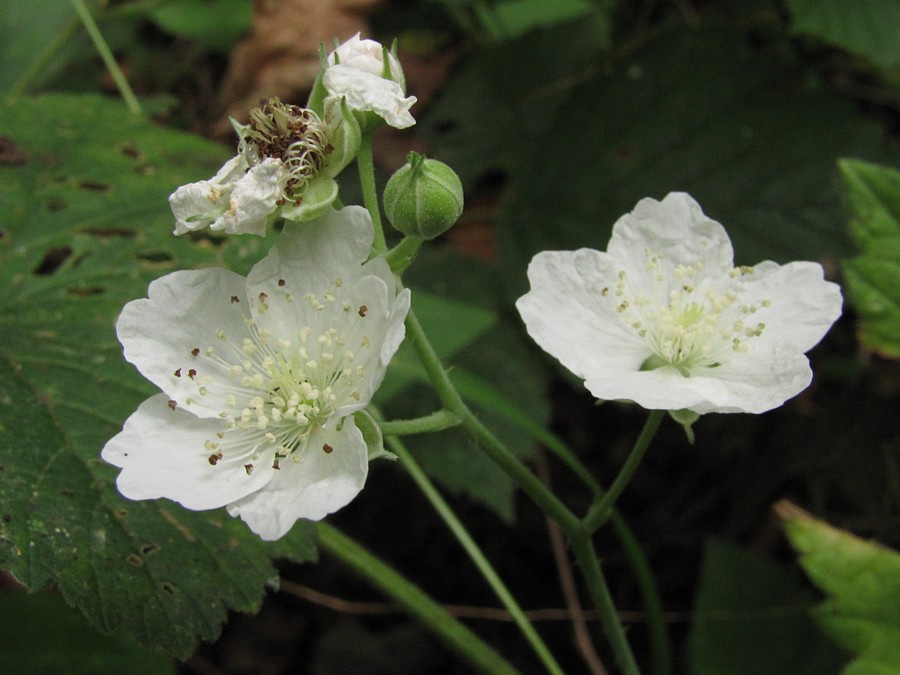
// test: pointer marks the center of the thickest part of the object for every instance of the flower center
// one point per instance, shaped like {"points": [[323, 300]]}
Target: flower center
{"points": [[278, 390], [687, 320], [292, 134]]}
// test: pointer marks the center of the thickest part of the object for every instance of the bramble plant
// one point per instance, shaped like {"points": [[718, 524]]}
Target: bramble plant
{"points": [[267, 366]]}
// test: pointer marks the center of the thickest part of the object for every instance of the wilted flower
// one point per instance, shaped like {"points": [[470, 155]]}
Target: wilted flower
{"points": [[665, 319], [369, 79], [286, 163], [261, 377]]}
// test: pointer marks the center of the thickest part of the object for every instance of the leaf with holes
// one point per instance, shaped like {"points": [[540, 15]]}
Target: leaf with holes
{"points": [[84, 227]]}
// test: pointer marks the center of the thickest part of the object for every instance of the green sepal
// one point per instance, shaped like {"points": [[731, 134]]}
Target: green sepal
{"points": [[316, 101], [686, 419], [371, 433], [345, 136], [317, 198]]}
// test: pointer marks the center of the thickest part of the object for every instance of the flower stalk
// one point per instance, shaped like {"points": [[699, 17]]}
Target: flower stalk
{"points": [[475, 554], [601, 510], [413, 600]]}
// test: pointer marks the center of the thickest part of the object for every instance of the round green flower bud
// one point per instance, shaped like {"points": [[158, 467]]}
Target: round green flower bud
{"points": [[424, 198]]}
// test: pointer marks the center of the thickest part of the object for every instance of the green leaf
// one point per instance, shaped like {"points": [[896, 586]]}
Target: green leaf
{"points": [[745, 131], [868, 28], [217, 24], [873, 278], [506, 94], [22, 43], [862, 580], [51, 637], [750, 617], [84, 227], [518, 17]]}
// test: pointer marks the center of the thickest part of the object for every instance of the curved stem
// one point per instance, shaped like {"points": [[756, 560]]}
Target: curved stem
{"points": [[481, 562], [366, 166], [108, 59], [600, 511], [411, 598], [476, 390], [496, 450], [660, 644], [586, 557], [436, 421]]}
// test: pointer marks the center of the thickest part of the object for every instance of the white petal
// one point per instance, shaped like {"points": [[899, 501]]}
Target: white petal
{"points": [[363, 54], [197, 205], [162, 453], [367, 92], [186, 311], [794, 301], [759, 382], [320, 483], [253, 201], [677, 229], [570, 313], [659, 389], [368, 56]]}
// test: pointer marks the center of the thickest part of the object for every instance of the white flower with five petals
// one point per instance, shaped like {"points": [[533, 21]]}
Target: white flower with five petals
{"points": [[664, 318], [261, 376], [358, 74]]}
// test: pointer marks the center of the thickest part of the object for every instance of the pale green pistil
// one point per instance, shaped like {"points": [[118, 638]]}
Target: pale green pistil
{"points": [[687, 321], [279, 390]]}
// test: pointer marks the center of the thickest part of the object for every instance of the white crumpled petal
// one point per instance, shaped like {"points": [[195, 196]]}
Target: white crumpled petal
{"points": [[253, 201], [368, 56], [364, 91], [198, 205], [260, 377], [664, 318], [239, 199]]}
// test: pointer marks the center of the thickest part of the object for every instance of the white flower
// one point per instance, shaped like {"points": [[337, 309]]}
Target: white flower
{"points": [[286, 163], [666, 320], [357, 73], [260, 377]]}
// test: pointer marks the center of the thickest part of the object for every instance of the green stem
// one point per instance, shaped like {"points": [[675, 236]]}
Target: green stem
{"points": [[108, 59], [436, 421], [660, 645], [586, 557], [411, 598], [366, 166], [475, 553], [498, 452], [601, 509], [401, 256], [475, 390]]}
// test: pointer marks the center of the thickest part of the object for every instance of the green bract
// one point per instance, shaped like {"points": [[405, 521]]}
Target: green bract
{"points": [[424, 198]]}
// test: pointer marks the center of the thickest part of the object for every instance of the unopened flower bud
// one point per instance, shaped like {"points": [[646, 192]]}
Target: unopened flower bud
{"points": [[424, 198]]}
